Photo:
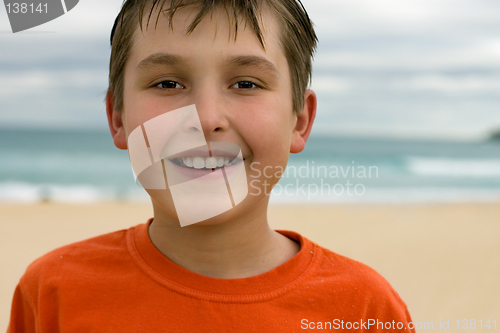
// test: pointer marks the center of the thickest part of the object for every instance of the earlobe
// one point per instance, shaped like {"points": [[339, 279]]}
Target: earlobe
{"points": [[115, 123], [304, 122]]}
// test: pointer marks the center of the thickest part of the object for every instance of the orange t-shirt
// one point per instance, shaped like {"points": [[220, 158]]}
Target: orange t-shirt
{"points": [[119, 282]]}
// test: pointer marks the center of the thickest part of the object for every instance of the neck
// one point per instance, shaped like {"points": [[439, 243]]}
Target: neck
{"points": [[242, 247]]}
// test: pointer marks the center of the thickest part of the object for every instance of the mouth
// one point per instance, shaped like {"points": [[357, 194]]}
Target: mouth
{"points": [[208, 158], [205, 163]]}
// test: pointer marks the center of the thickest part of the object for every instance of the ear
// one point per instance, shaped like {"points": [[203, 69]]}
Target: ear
{"points": [[115, 123], [304, 122]]}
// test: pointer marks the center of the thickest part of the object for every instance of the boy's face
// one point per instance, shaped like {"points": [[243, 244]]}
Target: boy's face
{"points": [[242, 93]]}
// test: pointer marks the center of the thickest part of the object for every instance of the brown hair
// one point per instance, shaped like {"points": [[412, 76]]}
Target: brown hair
{"points": [[298, 38]]}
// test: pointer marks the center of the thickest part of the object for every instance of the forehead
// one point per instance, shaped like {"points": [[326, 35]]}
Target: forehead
{"points": [[217, 32]]}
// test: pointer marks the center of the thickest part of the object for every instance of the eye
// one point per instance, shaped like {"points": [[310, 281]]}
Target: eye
{"points": [[168, 84], [245, 85]]}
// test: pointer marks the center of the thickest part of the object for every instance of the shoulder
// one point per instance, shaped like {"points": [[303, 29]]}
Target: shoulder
{"points": [[79, 258], [360, 284], [72, 272], [338, 270], [346, 282], [353, 271]]}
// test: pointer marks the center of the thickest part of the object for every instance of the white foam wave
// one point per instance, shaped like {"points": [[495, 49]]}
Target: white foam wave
{"points": [[397, 196], [21, 192], [454, 167], [18, 192]]}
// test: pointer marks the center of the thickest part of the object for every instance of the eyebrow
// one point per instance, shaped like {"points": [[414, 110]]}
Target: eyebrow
{"points": [[253, 61], [159, 59], [166, 59]]}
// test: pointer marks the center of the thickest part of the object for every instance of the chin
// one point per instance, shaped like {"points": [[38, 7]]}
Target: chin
{"points": [[235, 214], [164, 207]]}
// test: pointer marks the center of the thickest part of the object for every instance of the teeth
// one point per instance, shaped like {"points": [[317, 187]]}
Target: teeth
{"points": [[198, 162], [210, 162], [188, 161]]}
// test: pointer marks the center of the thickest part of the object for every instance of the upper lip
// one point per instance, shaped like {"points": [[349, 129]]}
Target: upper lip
{"points": [[204, 152]]}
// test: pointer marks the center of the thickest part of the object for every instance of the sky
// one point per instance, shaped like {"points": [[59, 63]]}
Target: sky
{"points": [[391, 68]]}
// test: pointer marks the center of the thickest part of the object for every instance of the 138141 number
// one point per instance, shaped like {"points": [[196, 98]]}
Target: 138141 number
{"points": [[24, 8], [472, 324]]}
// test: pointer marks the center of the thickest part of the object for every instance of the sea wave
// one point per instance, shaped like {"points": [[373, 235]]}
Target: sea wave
{"points": [[453, 167], [407, 195], [22, 192]]}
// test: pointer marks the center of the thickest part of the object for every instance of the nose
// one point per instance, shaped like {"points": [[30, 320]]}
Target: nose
{"points": [[211, 111]]}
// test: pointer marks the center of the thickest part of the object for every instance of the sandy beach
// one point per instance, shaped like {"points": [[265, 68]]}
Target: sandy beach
{"points": [[443, 259]]}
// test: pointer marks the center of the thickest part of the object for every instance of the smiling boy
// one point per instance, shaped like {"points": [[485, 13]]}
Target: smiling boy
{"points": [[244, 66]]}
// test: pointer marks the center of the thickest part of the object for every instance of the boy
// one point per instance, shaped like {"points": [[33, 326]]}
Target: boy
{"points": [[228, 72]]}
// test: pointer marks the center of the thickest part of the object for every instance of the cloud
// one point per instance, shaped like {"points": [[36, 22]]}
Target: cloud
{"points": [[390, 67], [485, 55], [42, 98], [394, 17], [448, 84], [41, 82], [328, 84]]}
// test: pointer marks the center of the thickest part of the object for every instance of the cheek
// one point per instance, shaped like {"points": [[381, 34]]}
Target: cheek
{"points": [[272, 137], [267, 130], [270, 149], [138, 110]]}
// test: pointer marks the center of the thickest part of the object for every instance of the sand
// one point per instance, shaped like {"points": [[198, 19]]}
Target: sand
{"points": [[444, 260]]}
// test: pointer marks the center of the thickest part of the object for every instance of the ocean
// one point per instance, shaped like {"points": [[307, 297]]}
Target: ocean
{"points": [[83, 166]]}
